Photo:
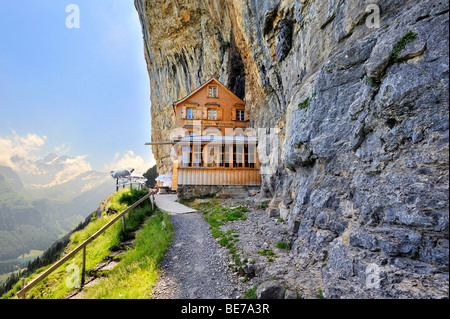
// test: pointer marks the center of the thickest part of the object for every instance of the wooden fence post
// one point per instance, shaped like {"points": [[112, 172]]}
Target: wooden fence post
{"points": [[153, 201], [123, 223], [22, 283], [83, 267]]}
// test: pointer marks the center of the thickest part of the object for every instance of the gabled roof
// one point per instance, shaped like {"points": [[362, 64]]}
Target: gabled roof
{"points": [[201, 87]]}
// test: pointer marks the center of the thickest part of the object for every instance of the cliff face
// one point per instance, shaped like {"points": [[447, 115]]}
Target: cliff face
{"points": [[361, 173], [186, 43]]}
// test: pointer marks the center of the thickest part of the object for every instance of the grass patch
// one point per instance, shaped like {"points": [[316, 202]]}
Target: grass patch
{"points": [[262, 205], [319, 294], [216, 216], [371, 81], [268, 253], [400, 45], [283, 245], [304, 105], [250, 293], [55, 285], [138, 270]]}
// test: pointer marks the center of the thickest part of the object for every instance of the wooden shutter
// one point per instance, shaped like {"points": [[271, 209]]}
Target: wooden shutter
{"points": [[233, 114], [246, 116], [219, 114], [183, 112], [205, 113]]}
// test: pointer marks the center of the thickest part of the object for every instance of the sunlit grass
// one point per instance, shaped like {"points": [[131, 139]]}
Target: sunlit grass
{"points": [[138, 267], [137, 272]]}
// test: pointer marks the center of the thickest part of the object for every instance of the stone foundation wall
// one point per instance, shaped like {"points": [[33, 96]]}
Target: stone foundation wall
{"points": [[193, 191]]}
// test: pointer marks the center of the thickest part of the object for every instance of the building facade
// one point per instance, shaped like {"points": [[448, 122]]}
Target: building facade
{"points": [[213, 144]]}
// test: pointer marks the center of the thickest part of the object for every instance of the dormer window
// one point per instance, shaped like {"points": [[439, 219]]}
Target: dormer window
{"points": [[212, 91]]}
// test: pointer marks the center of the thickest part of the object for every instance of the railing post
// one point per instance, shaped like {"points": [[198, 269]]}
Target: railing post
{"points": [[22, 283], [83, 267], [123, 223], [153, 201]]}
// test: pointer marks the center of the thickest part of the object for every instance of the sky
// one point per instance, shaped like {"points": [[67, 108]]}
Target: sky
{"points": [[77, 90]]}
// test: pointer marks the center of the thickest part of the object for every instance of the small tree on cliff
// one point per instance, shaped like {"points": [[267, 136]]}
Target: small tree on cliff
{"points": [[150, 175]]}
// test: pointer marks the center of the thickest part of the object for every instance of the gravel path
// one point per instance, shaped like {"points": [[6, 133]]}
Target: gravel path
{"points": [[195, 266]]}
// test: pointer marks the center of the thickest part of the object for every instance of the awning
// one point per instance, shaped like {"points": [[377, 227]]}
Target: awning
{"points": [[218, 139]]}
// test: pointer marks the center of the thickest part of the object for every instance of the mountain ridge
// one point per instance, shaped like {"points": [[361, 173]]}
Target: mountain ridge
{"points": [[33, 218]]}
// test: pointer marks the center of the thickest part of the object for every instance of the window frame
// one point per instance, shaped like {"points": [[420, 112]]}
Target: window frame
{"points": [[215, 89], [197, 151], [215, 114], [192, 115], [238, 155], [186, 156], [239, 113], [251, 155]]}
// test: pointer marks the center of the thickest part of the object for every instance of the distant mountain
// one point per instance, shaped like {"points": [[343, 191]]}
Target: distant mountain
{"points": [[61, 178], [38, 208], [20, 221], [11, 177]]}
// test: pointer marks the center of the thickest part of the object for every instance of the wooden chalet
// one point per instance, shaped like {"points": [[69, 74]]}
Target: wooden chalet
{"points": [[213, 144]]}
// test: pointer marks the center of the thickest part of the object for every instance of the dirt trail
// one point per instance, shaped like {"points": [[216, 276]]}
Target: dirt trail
{"points": [[195, 266]]}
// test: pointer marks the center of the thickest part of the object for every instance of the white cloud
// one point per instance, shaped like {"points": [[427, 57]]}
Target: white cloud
{"points": [[72, 167], [19, 152], [62, 149], [24, 155], [132, 160]]}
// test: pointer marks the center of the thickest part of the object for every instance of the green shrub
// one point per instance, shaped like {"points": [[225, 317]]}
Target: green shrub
{"points": [[250, 293], [283, 245], [132, 196], [304, 105], [400, 45]]}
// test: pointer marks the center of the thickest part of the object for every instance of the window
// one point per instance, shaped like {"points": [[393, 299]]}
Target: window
{"points": [[227, 155], [211, 155], [251, 155], [197, 156], [212, 91], [238, 155], [240, 115], [186, 156], [191, 113], [212, 114]]}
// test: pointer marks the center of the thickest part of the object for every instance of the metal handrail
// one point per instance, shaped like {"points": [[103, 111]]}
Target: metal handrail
{"points": [[34, 282]]}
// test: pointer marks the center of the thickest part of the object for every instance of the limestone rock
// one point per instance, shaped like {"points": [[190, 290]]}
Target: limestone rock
{"points": [[270, 290], [361, 166]]}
